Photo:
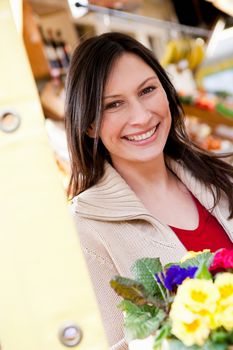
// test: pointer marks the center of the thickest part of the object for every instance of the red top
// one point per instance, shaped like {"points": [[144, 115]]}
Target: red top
{"points": [[208, 235]]}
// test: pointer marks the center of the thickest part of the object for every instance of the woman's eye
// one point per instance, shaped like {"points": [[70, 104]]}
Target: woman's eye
{"points": [[147, 90], [113, 105]]}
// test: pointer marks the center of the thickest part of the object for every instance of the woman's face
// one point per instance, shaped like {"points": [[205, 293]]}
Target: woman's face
{"points": [[136, 116]]}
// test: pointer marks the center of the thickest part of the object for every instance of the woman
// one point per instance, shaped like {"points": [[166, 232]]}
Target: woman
{"points": [[141, 188]]}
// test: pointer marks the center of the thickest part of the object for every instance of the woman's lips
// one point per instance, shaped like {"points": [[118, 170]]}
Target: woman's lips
{"points": [[139, 138]]}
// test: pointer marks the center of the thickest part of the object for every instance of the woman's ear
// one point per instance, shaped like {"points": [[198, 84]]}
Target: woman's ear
{"points": [[91, 131]]}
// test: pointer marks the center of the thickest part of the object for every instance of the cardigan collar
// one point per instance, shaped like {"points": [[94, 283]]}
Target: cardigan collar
{"points": [[111, 199]]}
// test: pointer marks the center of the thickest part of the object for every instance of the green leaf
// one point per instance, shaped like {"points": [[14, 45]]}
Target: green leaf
{"points": [[128, 307], [129, 289], [209, 345], [230, 337], [175, 344], [199, 259], [203, 272], [142, 321], [220, 335], [161, 334], [144, 271]]}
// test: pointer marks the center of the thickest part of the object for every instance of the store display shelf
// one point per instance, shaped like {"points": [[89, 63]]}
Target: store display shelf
{"points": [[211, 117]]}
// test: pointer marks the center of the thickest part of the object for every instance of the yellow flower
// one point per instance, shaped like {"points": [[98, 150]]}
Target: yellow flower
{"points": [[199, 296], [192, 310], [192, 254], [215, 321], [190, 328], [224, 283], [225, 318]]}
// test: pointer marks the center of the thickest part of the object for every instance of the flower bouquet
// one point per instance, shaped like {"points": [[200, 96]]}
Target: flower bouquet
{"points": [[186, 305]]}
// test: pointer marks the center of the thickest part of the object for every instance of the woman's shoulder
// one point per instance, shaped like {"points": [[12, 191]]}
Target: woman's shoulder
{"points": [[108, 200], [110, 179]]}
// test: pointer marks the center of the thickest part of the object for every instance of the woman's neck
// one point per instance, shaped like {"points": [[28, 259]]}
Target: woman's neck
{"points": [[161, 192], [142, 177]]}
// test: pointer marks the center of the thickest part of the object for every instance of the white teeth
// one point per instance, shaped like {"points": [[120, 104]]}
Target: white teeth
{"points": [[141, 137]]}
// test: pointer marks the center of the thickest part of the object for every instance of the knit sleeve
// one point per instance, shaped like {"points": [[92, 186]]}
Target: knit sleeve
{"points": [[101, 269]]}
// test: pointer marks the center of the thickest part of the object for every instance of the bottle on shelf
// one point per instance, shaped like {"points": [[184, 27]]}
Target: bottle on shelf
{"points": [[49, 50], [62, 50], [56, 63]]}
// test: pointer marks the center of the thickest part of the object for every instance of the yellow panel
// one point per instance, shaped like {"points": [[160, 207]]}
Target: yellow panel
{"points": [[44, 281]]}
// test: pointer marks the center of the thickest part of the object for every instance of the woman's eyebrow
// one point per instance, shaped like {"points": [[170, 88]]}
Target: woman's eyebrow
{"points": [[140, 85], [111, 96], [148, 79]]}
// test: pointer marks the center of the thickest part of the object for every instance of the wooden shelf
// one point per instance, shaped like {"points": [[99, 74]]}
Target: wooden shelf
{"points": [[212, 118], [33, 43]]}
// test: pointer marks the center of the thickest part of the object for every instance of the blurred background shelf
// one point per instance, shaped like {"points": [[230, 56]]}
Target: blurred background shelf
{"points": [[212, 118]]}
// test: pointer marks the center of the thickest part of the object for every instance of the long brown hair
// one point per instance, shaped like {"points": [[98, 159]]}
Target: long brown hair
{"points": [[89, 69]]}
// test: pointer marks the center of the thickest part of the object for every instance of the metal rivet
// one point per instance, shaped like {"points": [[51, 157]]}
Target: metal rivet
{"points": [[70, 335], [9, 120]]}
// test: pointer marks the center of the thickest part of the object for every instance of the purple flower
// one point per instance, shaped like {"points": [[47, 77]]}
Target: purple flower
{"points": [[176, 274]]}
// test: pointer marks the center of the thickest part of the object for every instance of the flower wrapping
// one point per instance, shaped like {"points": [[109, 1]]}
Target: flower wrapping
{"points": [[185, 305]]}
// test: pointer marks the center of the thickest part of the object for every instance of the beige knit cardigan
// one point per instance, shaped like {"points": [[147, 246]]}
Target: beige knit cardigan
{"points": [[115, 229]]}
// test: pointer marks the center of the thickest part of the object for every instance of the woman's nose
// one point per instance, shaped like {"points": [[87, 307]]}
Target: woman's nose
{"points": [[138, 113]]}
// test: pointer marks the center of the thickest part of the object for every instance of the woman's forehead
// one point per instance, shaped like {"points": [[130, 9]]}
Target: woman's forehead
{"points": [[128, 69]]}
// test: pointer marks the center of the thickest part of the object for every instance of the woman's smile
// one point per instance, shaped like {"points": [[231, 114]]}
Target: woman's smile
{"points": [[140, 138]]}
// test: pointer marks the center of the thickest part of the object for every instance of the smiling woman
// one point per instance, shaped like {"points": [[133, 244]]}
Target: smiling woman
{"points": [[140, 187], [135, 113]]}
